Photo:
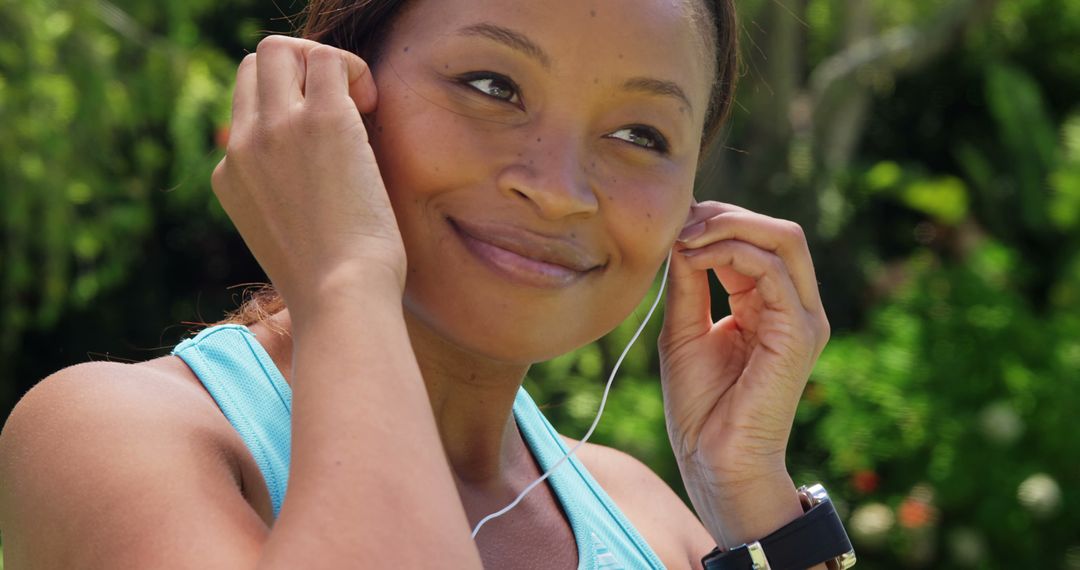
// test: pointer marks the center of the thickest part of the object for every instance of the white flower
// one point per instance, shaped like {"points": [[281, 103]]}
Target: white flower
{"points": [[871, 523], [1040, 494]]}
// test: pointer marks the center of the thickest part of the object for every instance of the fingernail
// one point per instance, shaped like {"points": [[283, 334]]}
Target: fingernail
{"points": [[692, 231]]}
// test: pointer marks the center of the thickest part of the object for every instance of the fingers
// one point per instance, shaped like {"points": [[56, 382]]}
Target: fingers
{"points": [[335, 74], [753, 268], [294, 70], [244, 97], [688, 307], [282, 71], [719, 222]]}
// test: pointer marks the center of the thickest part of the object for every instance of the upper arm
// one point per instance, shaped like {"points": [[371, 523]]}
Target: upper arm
{"points": [[103, 467], [663, 519]]}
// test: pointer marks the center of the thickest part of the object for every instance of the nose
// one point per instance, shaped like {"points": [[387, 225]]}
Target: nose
{"points": [[549, 173]]}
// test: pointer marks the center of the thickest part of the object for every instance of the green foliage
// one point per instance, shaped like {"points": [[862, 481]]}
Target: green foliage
{"points": [[960, 386], [83, 158]]}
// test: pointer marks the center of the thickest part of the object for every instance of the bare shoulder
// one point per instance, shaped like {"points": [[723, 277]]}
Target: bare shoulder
{"points": [[102, 462], [666, 523]]}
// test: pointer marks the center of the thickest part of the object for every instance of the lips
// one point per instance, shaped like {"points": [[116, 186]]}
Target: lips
{"points": [[524, 255]]}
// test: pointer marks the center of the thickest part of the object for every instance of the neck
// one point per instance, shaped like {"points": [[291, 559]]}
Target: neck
{"points": [[472, 398]]}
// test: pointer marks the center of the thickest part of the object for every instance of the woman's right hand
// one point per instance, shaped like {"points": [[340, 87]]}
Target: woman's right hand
{"points": [[299, 178]]}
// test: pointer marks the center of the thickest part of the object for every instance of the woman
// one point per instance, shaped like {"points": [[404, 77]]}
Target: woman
{"points": [[534, 163]]}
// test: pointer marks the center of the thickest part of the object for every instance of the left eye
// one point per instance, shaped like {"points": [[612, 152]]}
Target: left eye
{"points": [[644, 137], [495, 86]]}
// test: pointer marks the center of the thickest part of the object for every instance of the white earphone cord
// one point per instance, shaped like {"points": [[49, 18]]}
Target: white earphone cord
{"points": [[596, 421]]}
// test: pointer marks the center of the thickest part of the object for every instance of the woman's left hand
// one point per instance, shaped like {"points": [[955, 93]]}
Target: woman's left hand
{"points": [[731, 387]]}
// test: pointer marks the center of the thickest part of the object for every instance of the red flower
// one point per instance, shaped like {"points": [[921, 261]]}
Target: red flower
{"points": [[865, 481], [221, 136], [914, 513]]}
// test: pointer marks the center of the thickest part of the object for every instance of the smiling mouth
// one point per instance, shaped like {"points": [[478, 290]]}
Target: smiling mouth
{"points": [[525, 257]]}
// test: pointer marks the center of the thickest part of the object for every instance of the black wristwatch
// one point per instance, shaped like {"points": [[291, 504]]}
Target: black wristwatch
{"points": [[816, 537]]}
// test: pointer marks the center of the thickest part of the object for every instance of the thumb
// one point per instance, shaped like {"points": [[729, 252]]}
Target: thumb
{"points": [[687, 310], [361, 82]]}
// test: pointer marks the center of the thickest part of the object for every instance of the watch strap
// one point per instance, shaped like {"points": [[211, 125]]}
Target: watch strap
{"points": [[816, 537]]}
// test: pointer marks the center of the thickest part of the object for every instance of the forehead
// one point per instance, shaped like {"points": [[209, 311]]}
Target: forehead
{"points": [[631, 38]]}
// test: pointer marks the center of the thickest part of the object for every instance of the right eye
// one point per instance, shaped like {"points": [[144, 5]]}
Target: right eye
{"points": [[495, 86]]}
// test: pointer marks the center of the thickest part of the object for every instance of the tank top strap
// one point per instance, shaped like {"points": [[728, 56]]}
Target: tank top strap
{"points": [[606, 539], [251, 392]]}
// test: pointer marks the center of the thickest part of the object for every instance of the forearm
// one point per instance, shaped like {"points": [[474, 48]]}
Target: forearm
{"points": [[369, 483]]}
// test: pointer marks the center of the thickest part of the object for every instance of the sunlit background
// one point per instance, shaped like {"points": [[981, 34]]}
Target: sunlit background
{"points": [[930, 148]]}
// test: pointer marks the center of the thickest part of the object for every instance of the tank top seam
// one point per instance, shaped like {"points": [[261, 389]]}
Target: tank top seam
{"points": [[258, 353]]}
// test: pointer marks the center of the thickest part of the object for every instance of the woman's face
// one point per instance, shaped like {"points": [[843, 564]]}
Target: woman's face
{"points": [[540, 158]]}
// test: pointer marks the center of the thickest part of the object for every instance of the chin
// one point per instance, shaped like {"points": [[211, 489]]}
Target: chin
{"points": [[507, 331]]}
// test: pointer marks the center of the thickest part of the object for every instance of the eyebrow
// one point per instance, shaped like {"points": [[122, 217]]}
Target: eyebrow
{"points": [[659, 87], [521, 42], [509, 38]]}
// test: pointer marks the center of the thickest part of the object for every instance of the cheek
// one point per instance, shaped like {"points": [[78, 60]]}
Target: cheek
{"points": [[420, 144], [645, 211]]}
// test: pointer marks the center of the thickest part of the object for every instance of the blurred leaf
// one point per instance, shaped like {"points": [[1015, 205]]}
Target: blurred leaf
{"points": [[944, 198]]}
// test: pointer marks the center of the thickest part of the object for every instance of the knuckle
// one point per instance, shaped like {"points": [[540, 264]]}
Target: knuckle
{"points": [[237, 147], [794, 231], [826, 329], [272, 42], [822, 332], [219, 177], [323, 53]]}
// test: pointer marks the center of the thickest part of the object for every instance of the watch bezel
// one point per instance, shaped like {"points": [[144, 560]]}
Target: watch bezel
{"points": [[811, 496]]}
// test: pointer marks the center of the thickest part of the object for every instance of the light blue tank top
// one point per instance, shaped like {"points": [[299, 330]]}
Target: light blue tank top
{"points": [[254, 396]]}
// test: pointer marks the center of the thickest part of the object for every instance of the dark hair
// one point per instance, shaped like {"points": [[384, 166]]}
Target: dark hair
{"points": [[361, 26]]}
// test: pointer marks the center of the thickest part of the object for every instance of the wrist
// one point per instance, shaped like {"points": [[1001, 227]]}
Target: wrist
{"points": [[347, 289], [738, 513], [816, 539]]}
